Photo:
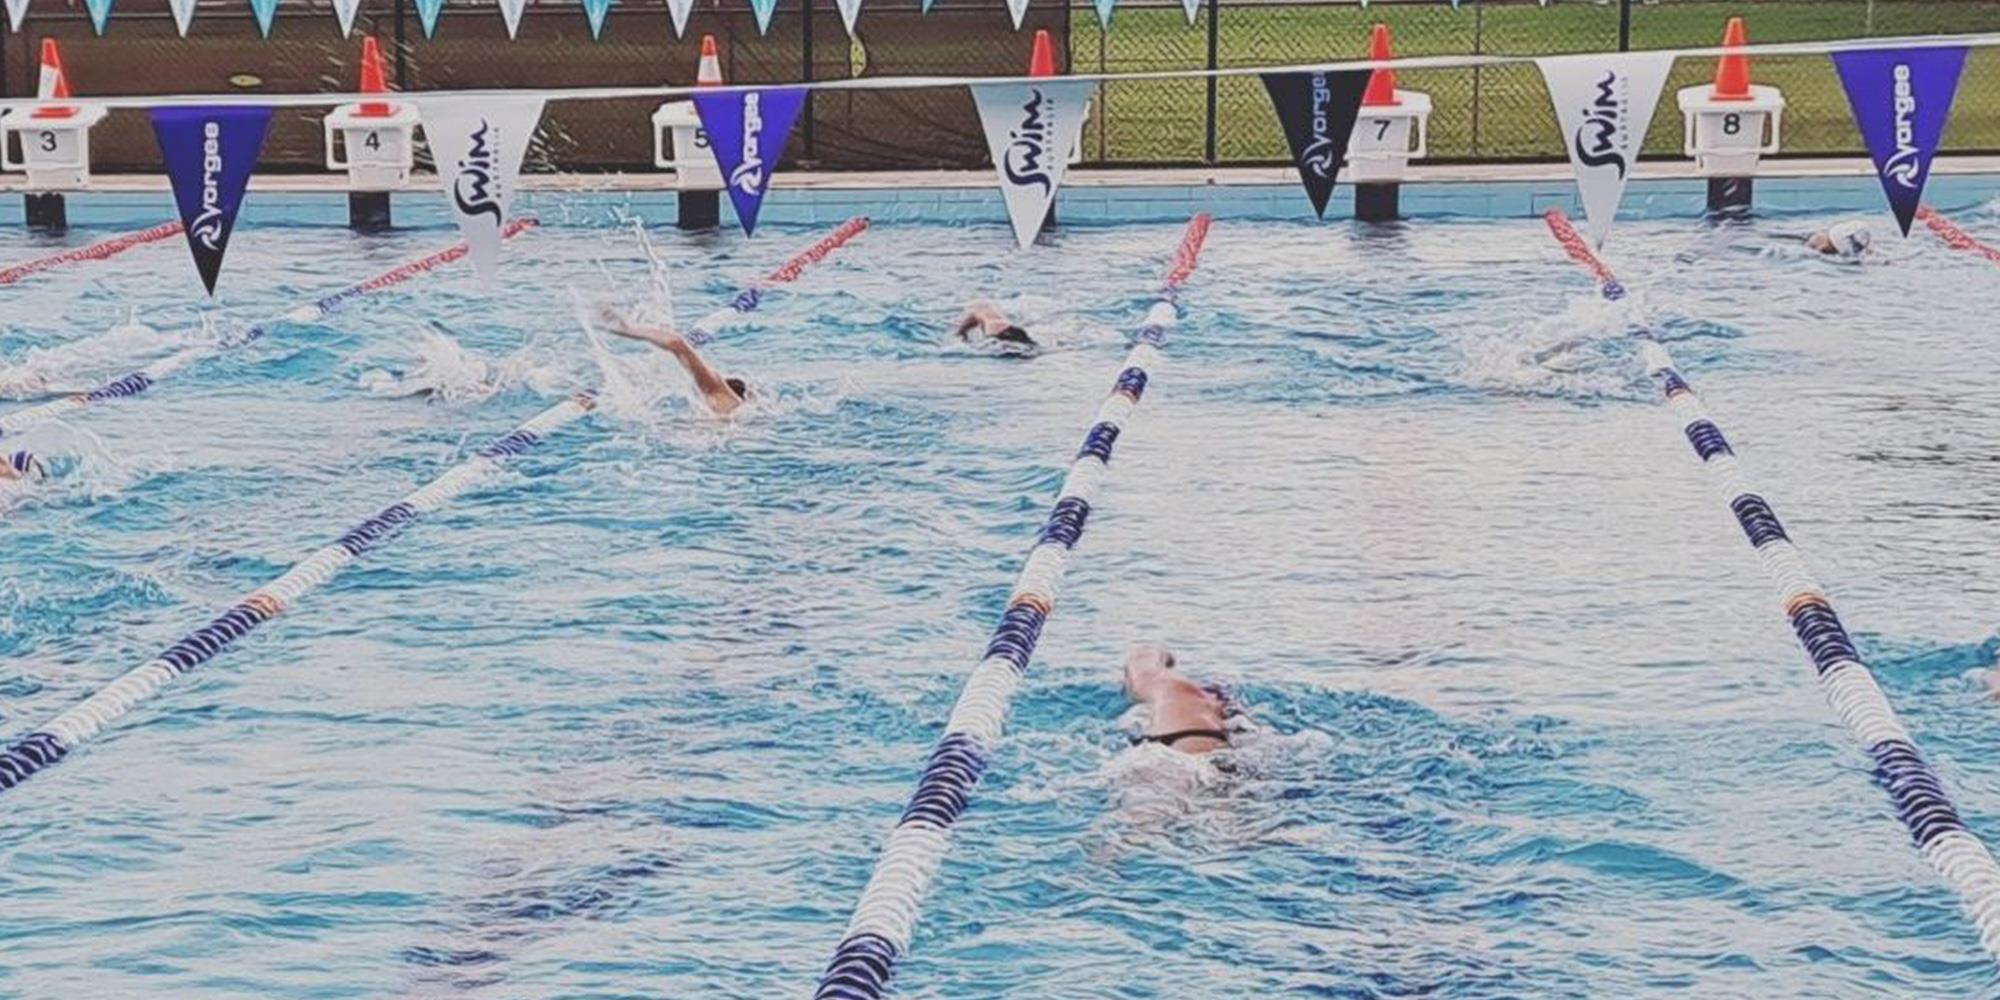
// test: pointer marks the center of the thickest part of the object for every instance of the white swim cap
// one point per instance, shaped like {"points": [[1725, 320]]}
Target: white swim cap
{"points": [[1850, 238]]}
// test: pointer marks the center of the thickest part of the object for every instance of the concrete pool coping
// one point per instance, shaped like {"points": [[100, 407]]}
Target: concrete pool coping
{"points": [[1664, 189]]}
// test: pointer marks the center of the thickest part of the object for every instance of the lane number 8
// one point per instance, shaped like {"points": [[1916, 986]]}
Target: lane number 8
{"points": [[1732, 123]]}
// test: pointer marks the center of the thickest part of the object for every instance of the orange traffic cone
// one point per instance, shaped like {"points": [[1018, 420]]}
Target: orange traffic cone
{"points": [[1043, 61], [1381, 91], [373, 80], [710, 72], [1732, 71], [54, 84]]}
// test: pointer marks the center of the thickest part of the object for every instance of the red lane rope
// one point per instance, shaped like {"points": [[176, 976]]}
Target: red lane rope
{"points": [[1954, 237], [96, 251]]}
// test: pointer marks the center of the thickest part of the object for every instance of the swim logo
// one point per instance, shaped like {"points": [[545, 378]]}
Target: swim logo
{"points": [[476, 188], [1605, 104], [1602, 138], [1901, 99], [209, 154], [748, 176], [1026, 162], [1317, 111]]}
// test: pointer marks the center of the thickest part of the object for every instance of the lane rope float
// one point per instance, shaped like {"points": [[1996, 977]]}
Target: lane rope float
{"points": [[878, 934], [145, 378], [1914, 787], [51, 742], [1954, 237], [96, 251]]}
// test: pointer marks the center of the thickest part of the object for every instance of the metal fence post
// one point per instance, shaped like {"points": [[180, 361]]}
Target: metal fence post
{"points": [[402, 48], [1214, 61], [1624, 25]]}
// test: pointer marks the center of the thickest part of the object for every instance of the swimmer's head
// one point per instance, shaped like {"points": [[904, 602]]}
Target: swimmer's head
{"points": [[738, 386], [1845, 239], [26, 466], [1145, 661], [1015, 335]]}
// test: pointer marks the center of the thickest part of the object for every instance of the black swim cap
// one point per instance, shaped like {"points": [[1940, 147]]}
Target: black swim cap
{"points": [[738, 386], [1015, 335]]}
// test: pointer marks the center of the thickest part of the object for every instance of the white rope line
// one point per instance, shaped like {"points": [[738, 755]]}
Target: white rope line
{"points": [[1913, 786], [879, 933]]}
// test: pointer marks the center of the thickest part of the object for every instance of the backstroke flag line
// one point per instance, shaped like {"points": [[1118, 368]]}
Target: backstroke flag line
{"points": [[1901, 100], [748, 131], [1019, 10], [209, 154], [1604, 103], [763, 9], [18, 9], [1317, 111], [344, 10], [479, 143], [594, 11], [679, 11], [1031, 130], [510, 11], [266, 12], [427, 15], [849, 10]]}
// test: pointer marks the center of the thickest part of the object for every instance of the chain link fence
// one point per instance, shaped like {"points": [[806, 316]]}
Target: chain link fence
{"points": [[1484, 114]]}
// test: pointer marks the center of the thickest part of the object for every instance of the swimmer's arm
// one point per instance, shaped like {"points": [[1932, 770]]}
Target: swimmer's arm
{"points": [[714, 390]]}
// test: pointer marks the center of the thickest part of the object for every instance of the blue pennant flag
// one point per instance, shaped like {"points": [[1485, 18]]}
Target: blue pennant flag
{"points": [[100, 13], [1103, 11], [427, 15], [595, 11], [1901, 100], [764, 9], [209, 153], [747, 130], [266, 11]]}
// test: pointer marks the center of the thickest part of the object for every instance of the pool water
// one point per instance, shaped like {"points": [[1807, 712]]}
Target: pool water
{"points": [[632, 720]]}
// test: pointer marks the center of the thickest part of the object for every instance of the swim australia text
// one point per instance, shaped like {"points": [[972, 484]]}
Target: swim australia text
{"points": [[475, 190], [1601, 137], [1027, 160]]}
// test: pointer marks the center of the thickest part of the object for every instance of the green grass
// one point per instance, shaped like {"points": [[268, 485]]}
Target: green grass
{"points": [[1499, 112]]}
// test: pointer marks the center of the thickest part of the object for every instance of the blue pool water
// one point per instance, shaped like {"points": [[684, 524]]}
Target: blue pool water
{"points": [[633, 720]]}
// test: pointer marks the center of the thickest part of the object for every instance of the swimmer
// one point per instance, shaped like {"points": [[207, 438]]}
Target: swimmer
{"points": [[1189, 717], [1848, 240], [985, 321], [22, 466], [723, 395]]}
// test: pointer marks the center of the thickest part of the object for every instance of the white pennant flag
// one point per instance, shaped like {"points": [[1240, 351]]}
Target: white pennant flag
{"points": [[1031, 130], [18, 9], [478, 143], [1018, 8], [1604, 104], [851, 9], [510, 11], [1191, 6], [183, 14], [679, 11], [345, 11]]}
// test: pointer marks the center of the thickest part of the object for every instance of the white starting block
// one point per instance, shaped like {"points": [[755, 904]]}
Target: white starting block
{"points": [[55, 149], [377, 151], [1727, 137], [680, 146], [1387, 137]]}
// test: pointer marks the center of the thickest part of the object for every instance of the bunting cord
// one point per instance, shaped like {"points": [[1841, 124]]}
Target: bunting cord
{"points": [[1954, 237], [53, 741], [1914, 787], [96, 251], [1980, 40], [878, 934], [145, 378]]}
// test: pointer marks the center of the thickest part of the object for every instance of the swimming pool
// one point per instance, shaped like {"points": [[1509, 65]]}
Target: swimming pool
{"points": [[633, 719]]}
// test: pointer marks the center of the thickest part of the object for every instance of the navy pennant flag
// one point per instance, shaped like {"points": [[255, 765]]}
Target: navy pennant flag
{"points": [[1901, 100], [1318, 112], [209, 153], [748, 130]]}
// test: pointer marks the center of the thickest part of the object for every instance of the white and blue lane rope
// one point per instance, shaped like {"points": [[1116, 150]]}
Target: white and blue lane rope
{"points": [[55, 740], [145, 378], [1941, 836], [878, 934]]}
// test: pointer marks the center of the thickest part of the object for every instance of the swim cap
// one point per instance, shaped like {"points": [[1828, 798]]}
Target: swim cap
{"points": [[1850, 239]]}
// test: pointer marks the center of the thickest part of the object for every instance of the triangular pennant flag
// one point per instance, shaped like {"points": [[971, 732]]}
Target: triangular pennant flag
{"points": [[209, 154], [595, 11], [748, 130], [345, 10], [1604, 103], [427, 15], [925, 9], [1031, 130], [1901, 99], [479, 143], [100, 13], [1019, 10], [18, 9], [1318, 112], [679, 11], [1104, 12], [510, 12], [183, 11], [849, 10], [1191, 7], [763, 9], [266, 11]]}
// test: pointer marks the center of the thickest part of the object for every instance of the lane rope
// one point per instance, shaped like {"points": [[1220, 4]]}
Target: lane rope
{"points": [[145, 378], [96, 251], [879, 933], [1913, 785], [54, 740], [1954, 237]]}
